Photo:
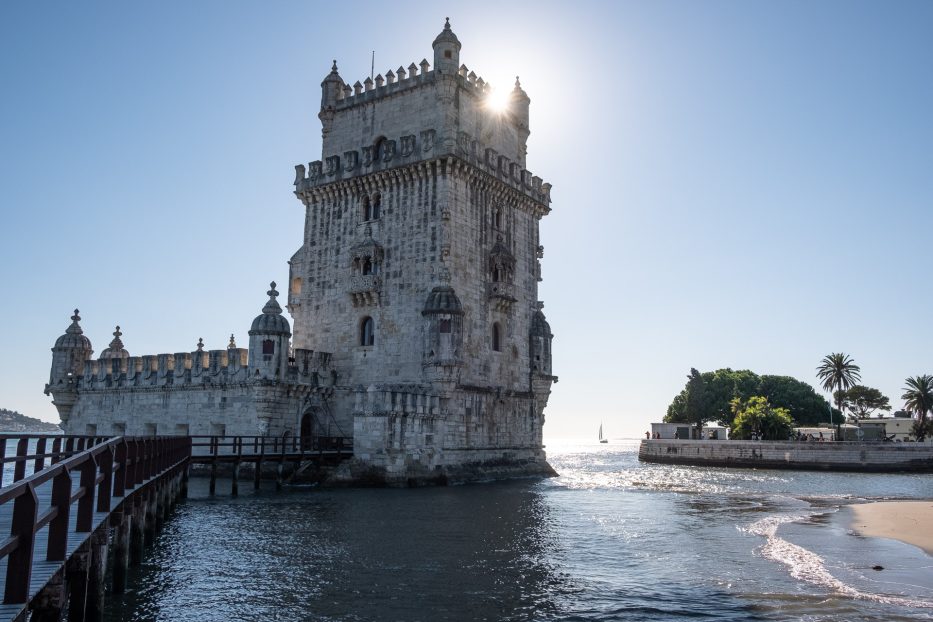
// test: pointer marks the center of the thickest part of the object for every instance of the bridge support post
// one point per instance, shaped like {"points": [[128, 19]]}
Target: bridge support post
{"points": [[49, 604], [121, 549], [76, 571], [137, 539], [149, 518], [257, 474], [184, 481], [235, 477], [97, 571]]}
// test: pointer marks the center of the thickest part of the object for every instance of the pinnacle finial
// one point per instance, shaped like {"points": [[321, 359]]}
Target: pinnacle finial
{"points": [[446, 23], [333, 68], [518, 84], [117, 333], [272, 306], [232, 344], [75, 328], [200, 344]]}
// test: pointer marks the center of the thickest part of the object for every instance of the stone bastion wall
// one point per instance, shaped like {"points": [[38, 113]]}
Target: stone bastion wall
{"points": [[834, 456]]}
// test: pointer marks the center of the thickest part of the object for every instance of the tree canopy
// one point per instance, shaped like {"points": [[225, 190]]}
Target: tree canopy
{"points": [[720, 387], [862, 401], [756, 417]]}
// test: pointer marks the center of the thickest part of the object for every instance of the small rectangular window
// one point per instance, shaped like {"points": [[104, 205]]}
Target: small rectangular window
{"points": [[444, 326], [268, 347]]}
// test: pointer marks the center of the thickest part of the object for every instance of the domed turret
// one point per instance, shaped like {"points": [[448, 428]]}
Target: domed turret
{"points": [[115, 350], [331, 88], [70, 352], [443, 333], [271, 321], [520, 107], [268, 340], [541, 338], [446, 51], [442, 299], [114, 358], [74, 337]]}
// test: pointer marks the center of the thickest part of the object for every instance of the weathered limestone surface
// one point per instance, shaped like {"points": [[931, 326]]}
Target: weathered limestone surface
{"points": [[416, 324], [791, 455]]}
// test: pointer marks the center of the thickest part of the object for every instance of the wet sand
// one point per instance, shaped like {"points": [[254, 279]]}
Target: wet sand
{"points": [[907, 521]]}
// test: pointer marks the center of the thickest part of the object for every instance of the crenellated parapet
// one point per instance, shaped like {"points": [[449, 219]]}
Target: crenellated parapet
{"points": [[407, 156], [401, 80], [196, 369]]}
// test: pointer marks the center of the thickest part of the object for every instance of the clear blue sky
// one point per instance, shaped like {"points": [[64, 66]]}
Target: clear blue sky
{"points": [[736, 184]]}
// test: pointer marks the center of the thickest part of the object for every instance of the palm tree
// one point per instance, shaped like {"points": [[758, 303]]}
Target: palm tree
{"points": [[838, 372], [918, 398]]}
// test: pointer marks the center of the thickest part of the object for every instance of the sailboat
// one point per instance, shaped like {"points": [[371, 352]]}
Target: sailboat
{"points": [[601, 439]]}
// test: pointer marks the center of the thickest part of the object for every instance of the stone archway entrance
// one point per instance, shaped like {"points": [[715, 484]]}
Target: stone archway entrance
{"points": [[312, 429]]}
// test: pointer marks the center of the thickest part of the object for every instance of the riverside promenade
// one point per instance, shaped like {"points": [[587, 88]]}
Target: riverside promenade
{"points": [[879, 457]]}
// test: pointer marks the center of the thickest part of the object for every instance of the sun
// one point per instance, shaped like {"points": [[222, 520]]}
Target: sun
{"points": [[497, 100]]}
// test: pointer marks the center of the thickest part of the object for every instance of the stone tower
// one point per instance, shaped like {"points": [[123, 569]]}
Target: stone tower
{"points": [[419, 268]]}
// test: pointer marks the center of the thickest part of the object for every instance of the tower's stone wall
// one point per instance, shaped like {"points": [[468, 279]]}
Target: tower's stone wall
{"points": [[416, 324]]}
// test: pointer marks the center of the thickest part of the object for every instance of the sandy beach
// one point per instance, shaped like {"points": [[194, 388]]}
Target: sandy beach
{"points": [[907, 521]]}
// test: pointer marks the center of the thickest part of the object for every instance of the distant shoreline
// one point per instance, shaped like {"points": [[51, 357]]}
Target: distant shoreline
{"points": [[906, 521]]}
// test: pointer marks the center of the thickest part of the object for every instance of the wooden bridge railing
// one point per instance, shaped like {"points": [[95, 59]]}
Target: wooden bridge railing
{"points": [[37, 448], [104, 468], [259, 450], [247, 447]]}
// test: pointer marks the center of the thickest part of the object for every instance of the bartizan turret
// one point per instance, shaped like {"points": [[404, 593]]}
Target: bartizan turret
{"points": [[446, 51], [70, 352], [268, 341]]}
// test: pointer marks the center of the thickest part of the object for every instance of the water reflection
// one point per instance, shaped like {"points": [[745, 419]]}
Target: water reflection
{"points": [[478, 552]]}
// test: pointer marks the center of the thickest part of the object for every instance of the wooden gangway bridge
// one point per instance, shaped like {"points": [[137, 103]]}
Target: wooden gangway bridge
{"points": [[74, 506]]}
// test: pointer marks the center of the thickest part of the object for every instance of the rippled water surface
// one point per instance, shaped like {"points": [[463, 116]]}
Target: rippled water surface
{"points": [[611, 539]]}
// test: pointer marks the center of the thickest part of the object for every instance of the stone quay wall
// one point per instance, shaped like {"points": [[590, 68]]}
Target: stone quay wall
{"points": [[833, 456]]}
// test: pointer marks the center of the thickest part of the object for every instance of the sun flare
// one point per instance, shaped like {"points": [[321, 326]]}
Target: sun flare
{"points": [[497, 100]]}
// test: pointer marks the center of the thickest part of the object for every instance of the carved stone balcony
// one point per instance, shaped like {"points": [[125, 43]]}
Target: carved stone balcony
{"points": [[501, 295], [364, 289]]}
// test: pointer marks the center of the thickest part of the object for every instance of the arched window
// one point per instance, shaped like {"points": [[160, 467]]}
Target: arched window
{"points": [[367, 209], [497, 218], [367, 266], [377, 206], [367, 332], [268, 349], [496, 337], [496, 274]]}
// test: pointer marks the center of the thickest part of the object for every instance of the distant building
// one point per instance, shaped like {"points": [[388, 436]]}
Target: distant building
{"points": [[685, 431], [417, 327]]}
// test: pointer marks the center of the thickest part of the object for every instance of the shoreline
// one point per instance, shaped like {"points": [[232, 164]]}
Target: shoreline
{"points": [[905, 521]]}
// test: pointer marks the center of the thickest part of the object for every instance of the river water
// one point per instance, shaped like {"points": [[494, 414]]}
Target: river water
{"points": [[610, 539]]}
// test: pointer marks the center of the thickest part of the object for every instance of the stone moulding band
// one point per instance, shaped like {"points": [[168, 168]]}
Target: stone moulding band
{"points": [[468, 152], [448, 165]]}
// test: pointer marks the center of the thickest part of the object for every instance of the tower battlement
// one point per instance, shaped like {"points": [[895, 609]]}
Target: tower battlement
{"points": [[446, 100], [396, 153]]}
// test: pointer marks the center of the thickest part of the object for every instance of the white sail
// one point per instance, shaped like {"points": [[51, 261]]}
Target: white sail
{"points": [[600, 431]]}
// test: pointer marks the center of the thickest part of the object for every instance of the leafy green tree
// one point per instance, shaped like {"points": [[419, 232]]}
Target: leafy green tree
{"points": [[757, 417], [838, 372], [862, 401], [806, 406], [918, 399], [695, 409]]}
